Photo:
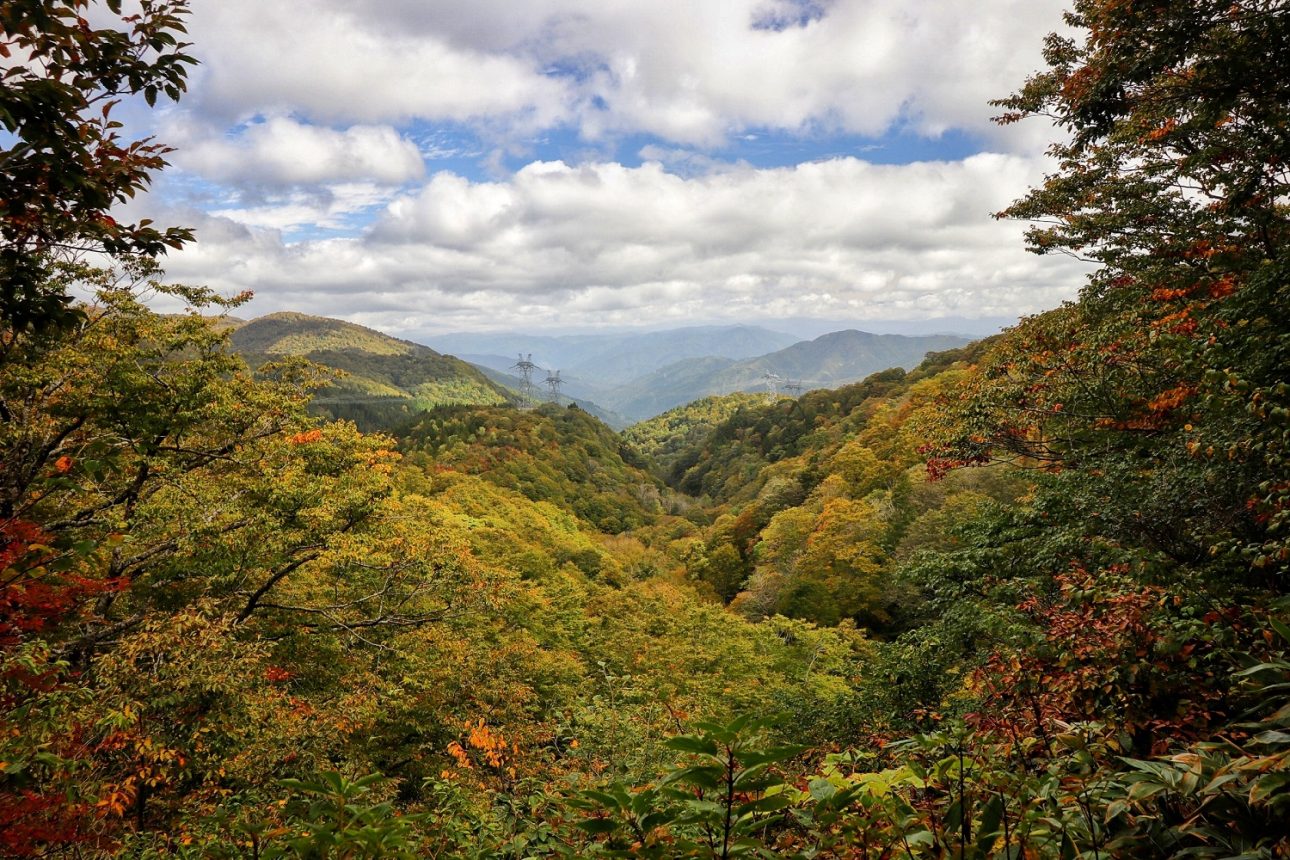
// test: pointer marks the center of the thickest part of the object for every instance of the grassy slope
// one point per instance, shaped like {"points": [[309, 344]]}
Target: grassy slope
{"points": [[385, 379]]}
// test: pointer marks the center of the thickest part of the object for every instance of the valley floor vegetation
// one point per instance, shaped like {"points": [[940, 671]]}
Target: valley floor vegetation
{"points": [[1027, 600]]}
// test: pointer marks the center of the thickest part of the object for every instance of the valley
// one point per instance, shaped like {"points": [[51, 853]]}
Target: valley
{"points": [[279, 586], [622, 379]]}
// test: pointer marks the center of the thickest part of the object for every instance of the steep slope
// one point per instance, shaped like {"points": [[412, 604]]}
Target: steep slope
{"points": [[818, 503], [667, 437], [553, 453], [731, 461], [830, 360], [385, 379]]}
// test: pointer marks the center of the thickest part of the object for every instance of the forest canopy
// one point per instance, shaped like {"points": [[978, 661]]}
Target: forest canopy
{"points": [[1025, 600]]}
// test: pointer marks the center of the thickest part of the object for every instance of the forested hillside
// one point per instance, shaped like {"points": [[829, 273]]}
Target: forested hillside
{"points": [[665, 437], [381, 381], [552, 453], [1025, 600]]}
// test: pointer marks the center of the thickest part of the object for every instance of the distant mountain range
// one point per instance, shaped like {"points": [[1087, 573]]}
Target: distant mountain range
{"points": [[620, 379], [606, 360], [386, 379], [826, 362]]}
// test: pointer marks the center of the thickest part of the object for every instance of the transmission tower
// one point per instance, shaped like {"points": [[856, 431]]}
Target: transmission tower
{"points": [[794, 388], [773, 382], [526, 367], [554, 382]]}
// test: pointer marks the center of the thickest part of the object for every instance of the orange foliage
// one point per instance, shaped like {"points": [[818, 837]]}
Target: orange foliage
{"points": [[305, 438], [1099, 662], [486, 746], [1224, 286], [1163, 130], [1164, 294]]}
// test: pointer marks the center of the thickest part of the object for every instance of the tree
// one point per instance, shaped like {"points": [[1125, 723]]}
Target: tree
{"points": [[1164, 385], [1157, 408], [724, 570], [68, 165]]}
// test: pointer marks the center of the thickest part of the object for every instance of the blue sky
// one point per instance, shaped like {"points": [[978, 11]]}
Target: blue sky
{"points": [[458, 148], [425, 167]]}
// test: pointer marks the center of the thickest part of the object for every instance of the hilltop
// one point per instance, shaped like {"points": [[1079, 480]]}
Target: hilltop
{"points": [[385, 379]]}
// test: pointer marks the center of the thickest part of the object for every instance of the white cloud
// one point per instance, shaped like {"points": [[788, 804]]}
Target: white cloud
{"points": [[690, 72], [331, 61], [283, 151], [611, 244], [332, 207], [315, 118]]}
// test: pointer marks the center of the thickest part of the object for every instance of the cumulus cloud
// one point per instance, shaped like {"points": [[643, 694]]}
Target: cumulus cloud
{"points": [[303, 144], [689, 72], [337, 206], [334, 61], [283, 151], [604, 243]]}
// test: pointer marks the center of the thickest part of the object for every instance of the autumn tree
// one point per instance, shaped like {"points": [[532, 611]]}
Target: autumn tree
{"points": [[1163, 387], [67, 163]]}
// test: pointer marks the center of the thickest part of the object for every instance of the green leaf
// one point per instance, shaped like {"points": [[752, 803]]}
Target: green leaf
{"points": [[654, 820], [768, 803], [699, 776], [988, 826], [772, 755], [1272, 737], [822, 789], [1268, 785], [597, 825], [692, 744], [603, 798]]}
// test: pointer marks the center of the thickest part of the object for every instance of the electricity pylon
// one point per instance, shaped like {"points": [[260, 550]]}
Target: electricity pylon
{"points": [[526, 367], [554, 381], [773, 381]]}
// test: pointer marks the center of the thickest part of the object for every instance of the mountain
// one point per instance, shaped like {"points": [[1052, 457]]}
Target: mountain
{"points": [[839, 357], [386, 379], [830, 360], [614, 359], [674, 385], [667, 438]]}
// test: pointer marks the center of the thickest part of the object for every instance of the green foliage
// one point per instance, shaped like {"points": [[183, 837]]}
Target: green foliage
{"points": [[215, 612], [1166, 358], [379, 382], [1219, 798], [740, 447], [65, 165], [721, 803], [331, 818], [551, 454], [665, 438]]}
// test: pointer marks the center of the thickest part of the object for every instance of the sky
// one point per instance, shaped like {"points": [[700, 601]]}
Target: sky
{"points": [[545, 165]]}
